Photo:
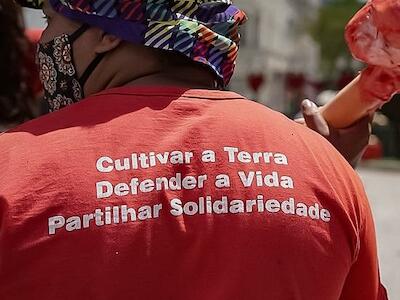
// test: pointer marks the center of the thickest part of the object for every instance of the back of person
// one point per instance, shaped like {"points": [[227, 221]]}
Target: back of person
{"points": [[166, 193]]}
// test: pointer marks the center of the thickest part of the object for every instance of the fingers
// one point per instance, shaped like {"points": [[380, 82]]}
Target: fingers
{"points": [[313, 118], [300, 121]]}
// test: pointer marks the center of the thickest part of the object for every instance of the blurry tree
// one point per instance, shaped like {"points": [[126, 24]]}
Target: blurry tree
{"points": [[328, 31]]}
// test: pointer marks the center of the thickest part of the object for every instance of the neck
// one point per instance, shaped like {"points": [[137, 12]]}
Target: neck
{"points": [[194, 78], [181, 77], [114, 72]]}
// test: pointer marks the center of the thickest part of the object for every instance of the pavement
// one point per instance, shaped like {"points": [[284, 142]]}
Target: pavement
{"points": [[382, 164], [382, 183]]}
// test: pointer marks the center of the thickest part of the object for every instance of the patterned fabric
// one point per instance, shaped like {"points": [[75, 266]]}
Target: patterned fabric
{"points": [[206, 31], [57, 73]]}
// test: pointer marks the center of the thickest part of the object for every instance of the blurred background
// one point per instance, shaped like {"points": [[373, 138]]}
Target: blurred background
{"points": [[291, 50], [295, 49]]}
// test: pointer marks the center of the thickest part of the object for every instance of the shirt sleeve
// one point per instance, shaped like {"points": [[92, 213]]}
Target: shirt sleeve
{"points": [[363, 281]]}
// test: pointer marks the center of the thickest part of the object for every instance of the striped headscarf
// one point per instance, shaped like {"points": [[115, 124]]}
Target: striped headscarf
{"points": [[206, 31]]}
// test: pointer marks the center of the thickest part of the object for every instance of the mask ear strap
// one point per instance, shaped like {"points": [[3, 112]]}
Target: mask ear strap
{"points": [[89, 70], [74, 36]]}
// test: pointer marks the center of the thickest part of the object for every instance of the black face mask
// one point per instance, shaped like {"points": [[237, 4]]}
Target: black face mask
{"points": [[62, 87]]}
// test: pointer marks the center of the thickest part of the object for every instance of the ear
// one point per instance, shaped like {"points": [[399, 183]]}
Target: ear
{"points": [[107, 43]]}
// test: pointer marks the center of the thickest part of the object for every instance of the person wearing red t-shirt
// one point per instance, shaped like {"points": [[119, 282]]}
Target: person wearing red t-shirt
{"points": [[148, 181]]}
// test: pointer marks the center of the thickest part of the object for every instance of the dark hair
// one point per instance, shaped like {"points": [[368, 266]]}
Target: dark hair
{"points": [[15, 94]]}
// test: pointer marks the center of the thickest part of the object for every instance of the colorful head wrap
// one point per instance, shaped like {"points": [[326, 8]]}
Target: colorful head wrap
{"points": [[206, 31]]}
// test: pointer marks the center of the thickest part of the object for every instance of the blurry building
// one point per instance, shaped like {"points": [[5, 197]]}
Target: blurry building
{"points": [[276, 43], [34, 18]]}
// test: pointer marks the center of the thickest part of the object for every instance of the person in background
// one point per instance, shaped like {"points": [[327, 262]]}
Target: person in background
{"points": [[392, 111], [33, 35], [18, 77], [148, 181]]}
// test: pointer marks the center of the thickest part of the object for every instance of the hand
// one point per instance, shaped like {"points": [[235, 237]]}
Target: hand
{"points": [[350, 142]]}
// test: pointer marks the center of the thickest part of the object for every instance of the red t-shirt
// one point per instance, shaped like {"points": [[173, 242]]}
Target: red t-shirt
{"points": [[167, 193]]}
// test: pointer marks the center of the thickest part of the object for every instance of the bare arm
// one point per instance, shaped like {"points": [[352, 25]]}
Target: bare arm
{"points": [[350, 142]]}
